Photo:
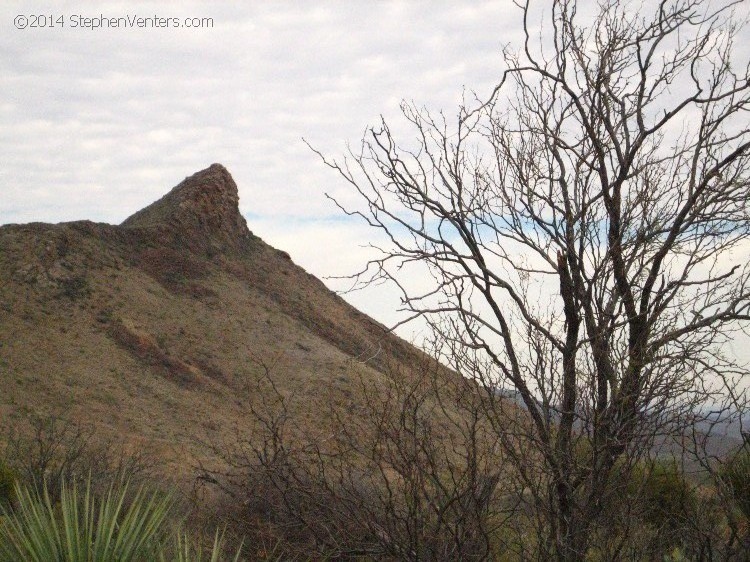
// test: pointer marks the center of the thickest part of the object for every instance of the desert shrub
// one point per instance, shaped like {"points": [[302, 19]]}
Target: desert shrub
{"points": [[736, 477], [408, 479], [7, 485], [651, 514], [664, 505], [75, 288], [49, 450], [668, 496]]}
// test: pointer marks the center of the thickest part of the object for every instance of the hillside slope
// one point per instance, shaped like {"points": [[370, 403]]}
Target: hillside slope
{"points": [[158, 328]]}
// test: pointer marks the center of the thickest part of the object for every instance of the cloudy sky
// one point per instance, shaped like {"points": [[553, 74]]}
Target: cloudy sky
{"points": [[97, 123]]}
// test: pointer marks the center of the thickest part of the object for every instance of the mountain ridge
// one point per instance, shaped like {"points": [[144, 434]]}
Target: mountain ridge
{"points": [[158, 328]]}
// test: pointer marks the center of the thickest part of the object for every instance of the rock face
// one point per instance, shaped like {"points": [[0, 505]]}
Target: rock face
{"points": [[201, 213]]}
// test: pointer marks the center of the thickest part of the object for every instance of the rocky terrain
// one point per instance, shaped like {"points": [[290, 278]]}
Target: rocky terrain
{"points": [[158, 329]]}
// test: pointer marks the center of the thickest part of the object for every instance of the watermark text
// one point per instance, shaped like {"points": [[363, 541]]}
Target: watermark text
{"points": [[100, 21]]}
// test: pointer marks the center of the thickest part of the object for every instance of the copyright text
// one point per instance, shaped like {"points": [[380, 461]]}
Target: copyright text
{"points": [[100, 21]]}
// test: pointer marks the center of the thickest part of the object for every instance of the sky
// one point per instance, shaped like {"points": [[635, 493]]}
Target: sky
{"points": [[98, 123]]}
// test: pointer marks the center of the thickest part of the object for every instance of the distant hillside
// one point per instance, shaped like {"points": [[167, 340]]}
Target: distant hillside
{"points": [[155, 329]]}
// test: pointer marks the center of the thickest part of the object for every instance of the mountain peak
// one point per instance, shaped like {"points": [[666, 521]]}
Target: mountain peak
{"points": [[201, 212]]}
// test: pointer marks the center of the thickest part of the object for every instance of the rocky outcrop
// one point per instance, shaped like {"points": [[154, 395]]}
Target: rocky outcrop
{"points": [[201, 213]]}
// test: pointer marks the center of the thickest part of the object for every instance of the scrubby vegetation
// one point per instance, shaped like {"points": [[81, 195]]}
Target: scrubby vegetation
{"points": [[415, 476], [583, 229], [68, 495], [7, 485], [46, 451], [736, 477]]}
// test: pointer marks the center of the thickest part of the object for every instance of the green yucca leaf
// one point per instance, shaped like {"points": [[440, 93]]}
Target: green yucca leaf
{"points": [[107, 521], [141, 526]]}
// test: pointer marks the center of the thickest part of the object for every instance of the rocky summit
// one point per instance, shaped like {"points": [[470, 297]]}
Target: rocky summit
{"points": [[202, 213]]}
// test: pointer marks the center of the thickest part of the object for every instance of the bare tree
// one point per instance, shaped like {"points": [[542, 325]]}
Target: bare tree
{"points": [[585, 230], [410, 474], [51, 450]]}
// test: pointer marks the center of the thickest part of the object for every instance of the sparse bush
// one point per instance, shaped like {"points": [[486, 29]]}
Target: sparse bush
{"points": [[652, 514], [49, 450], [668, 498], [411, 477], [736, 477], [75, 288], [7, 485]]}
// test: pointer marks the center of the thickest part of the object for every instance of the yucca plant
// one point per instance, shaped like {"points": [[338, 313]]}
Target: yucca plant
{"points": [[83, 528]]}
